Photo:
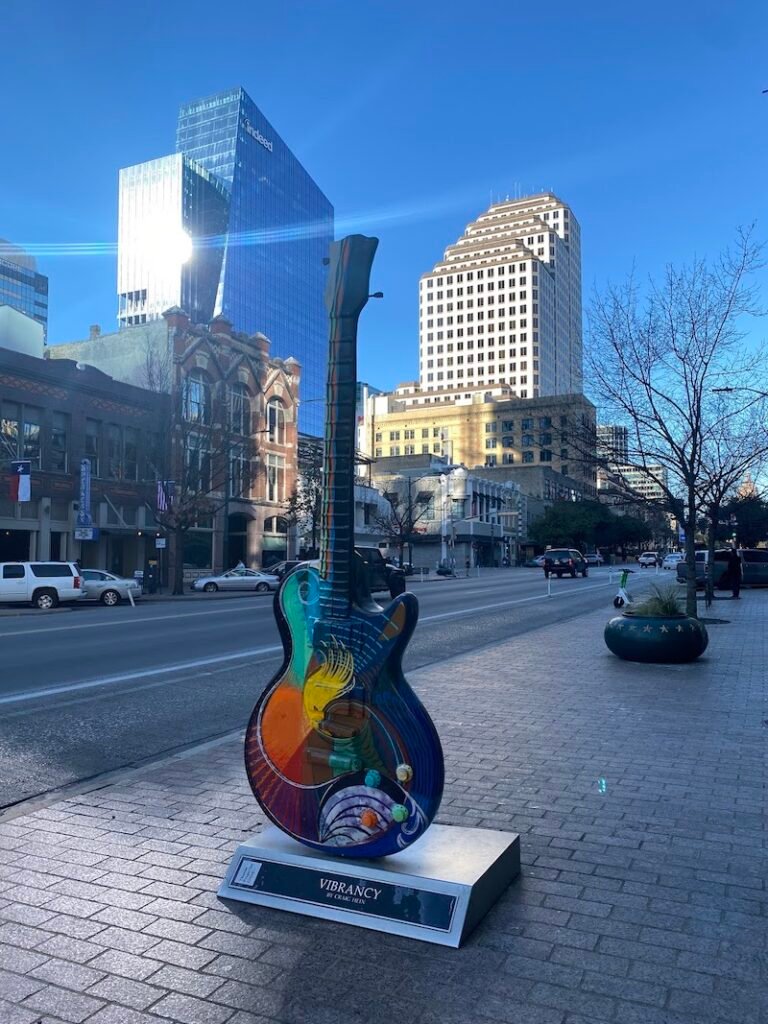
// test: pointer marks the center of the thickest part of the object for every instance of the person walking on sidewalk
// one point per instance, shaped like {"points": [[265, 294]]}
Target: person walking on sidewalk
{"points": [[734, 573]]}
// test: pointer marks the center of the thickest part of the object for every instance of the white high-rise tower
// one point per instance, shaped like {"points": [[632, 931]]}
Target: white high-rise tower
{"points": [[504, 304]]}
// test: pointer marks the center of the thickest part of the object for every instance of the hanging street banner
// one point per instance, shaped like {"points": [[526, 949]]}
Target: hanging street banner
{"points": [[21, 480], [84, 512]]}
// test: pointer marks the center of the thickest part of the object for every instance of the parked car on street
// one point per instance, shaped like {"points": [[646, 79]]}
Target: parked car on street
{"points": [[238, 579], [535, 563], [754, 563], [564, 561], [281, 569], [648, 560], [42, 584], [100, 585], [670, 561], [381, 575], [593, 558]]}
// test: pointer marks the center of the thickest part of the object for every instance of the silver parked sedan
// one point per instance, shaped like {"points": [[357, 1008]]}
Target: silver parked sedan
{"points": [[100, 585], [238, 579]]}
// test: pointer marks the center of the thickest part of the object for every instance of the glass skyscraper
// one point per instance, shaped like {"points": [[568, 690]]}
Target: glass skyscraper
{"points": [[166, 207], [20, 284], [279, 229]]}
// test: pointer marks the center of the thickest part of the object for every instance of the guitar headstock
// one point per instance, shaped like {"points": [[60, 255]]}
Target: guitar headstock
{"points": [[349, 273]]}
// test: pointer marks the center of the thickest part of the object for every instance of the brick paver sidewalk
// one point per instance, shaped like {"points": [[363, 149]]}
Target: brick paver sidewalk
{"points": [[640, 793]]}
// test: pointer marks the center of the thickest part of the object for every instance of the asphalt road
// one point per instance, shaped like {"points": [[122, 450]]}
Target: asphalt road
{"points": [[96, 689]]}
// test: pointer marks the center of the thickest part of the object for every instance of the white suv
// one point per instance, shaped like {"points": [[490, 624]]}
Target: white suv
{"points": [[42, 584], [648, 559]]}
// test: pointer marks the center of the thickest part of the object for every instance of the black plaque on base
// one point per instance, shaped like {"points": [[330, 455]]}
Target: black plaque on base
{"points": [[437, 890]]}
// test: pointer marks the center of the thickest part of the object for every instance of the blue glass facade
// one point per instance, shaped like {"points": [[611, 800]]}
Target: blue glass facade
{"points": [[21, 286], [280, 227]]}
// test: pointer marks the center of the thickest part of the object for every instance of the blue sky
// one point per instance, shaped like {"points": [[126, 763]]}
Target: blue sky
{"points": [[409, 115]]}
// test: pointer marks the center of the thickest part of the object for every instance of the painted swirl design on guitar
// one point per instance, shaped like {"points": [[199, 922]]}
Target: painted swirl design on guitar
{"points": [[339, 751]]}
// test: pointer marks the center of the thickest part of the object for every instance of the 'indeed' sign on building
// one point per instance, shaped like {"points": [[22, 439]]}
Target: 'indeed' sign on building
{"points": [[256, 134]]}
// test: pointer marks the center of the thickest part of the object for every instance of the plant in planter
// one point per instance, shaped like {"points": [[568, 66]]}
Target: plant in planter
{"points": [[656, 630]]}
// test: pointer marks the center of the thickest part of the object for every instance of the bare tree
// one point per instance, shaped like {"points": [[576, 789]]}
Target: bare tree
{"points": [[304, 508], [157, 367], [735, 444], [656, 360], [205, 461], [398, 522]]}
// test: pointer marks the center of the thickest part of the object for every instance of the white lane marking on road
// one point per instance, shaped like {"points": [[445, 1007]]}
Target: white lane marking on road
{"points": [[102, 623], [460, 612], [242, 655], [126, 677], [260, 605]]}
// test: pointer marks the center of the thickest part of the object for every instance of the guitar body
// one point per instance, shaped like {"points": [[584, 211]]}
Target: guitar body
{"points": [[339, 751]]}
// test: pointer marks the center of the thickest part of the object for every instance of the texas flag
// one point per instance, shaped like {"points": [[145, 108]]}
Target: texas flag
{"points": [[21, 481]]}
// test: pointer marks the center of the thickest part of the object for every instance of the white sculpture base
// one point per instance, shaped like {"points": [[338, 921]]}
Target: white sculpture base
{"points": [[437, 891]]}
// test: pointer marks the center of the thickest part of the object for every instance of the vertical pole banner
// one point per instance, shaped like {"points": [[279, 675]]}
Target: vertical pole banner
{"points": [[84, 513]]}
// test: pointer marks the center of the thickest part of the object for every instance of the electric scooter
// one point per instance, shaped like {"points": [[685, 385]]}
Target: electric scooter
{"points": [[622, 597]]}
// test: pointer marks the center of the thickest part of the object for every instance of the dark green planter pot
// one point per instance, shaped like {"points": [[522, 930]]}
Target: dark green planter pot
{"points": [[667, 640]]}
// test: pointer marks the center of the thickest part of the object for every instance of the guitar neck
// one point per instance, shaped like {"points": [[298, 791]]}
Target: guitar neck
{"points": [[337, 536]]}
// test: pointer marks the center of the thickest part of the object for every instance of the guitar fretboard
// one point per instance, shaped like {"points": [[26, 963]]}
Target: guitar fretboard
{"points": [[337, 535]]}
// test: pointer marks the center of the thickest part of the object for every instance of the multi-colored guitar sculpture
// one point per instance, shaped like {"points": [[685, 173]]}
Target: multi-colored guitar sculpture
{"points": [[339, 751]]}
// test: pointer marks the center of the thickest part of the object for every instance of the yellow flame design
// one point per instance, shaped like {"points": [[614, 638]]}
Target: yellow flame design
{"points": [[327, 682]]}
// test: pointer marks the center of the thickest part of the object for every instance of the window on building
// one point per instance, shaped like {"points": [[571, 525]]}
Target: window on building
{"points": [[527, 439], [545, 422], [435, 431], [394, 449], [197, 464], [490, 442], [197, 398], [378, 453], [527, 456], [394, 435], [545, 439], [276, 421], [545, 455], [410, 449], [239, 410], [275, 478], [59, 434], [527, 424], [507, 425], [436, 448], [508, 458], [378, 436], [9, 431], [114, 453], [93, 445], [490, 427], [130, 453], [409, 434], [30, 447], [239, 472], [491, 460]]}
